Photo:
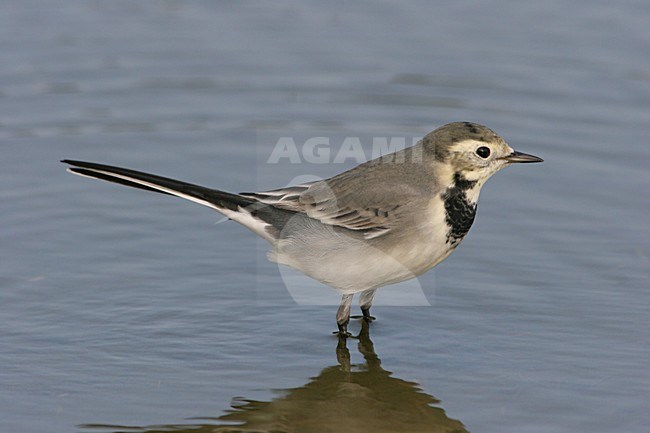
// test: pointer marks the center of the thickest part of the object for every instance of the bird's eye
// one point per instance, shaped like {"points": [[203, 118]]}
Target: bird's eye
{"points": [[483, 152]]}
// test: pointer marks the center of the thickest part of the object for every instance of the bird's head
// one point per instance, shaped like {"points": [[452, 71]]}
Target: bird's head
{"points": [[473, 151]]}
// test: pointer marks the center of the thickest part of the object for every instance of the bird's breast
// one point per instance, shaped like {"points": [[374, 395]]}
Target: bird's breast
{"points": [[459, 201], [425, 241]]}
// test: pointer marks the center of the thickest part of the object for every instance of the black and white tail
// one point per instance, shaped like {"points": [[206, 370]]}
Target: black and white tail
{"points": [[263, 219]]}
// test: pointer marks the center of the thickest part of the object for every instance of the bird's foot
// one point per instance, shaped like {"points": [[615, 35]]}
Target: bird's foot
{"points": [[343, 331], [342, 334], [367, 318], [365, 315]]}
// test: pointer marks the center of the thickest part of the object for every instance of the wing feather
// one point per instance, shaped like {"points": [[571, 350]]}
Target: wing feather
{"points": [[355, 200]]}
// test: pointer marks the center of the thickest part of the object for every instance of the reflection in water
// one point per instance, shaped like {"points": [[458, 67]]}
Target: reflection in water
{"points": [[342, 398]]}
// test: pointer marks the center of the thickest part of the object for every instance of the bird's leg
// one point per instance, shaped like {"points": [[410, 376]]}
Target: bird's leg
{"points": [[365, 311], [343, 316], [365, 302]]}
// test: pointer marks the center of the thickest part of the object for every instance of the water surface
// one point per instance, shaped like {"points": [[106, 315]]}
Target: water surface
{"points": [[122, 308]]}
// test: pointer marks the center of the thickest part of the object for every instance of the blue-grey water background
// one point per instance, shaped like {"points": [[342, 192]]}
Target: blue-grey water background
{"points": [[125, 308]]}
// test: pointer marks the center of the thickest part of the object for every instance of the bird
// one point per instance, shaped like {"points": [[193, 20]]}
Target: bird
{"points": [[384, 221]]}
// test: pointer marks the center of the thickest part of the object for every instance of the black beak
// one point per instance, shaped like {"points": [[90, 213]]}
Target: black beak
{"points": [[522, 157]]}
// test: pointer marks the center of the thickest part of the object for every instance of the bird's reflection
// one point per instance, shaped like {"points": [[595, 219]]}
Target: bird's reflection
{"points": [[342, 398]]}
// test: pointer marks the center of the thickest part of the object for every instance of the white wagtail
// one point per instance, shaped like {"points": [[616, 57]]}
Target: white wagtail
{"points": [[385, 221]]}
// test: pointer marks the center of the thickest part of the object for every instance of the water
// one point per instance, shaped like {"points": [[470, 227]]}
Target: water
{"points": [[123, 308]]}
